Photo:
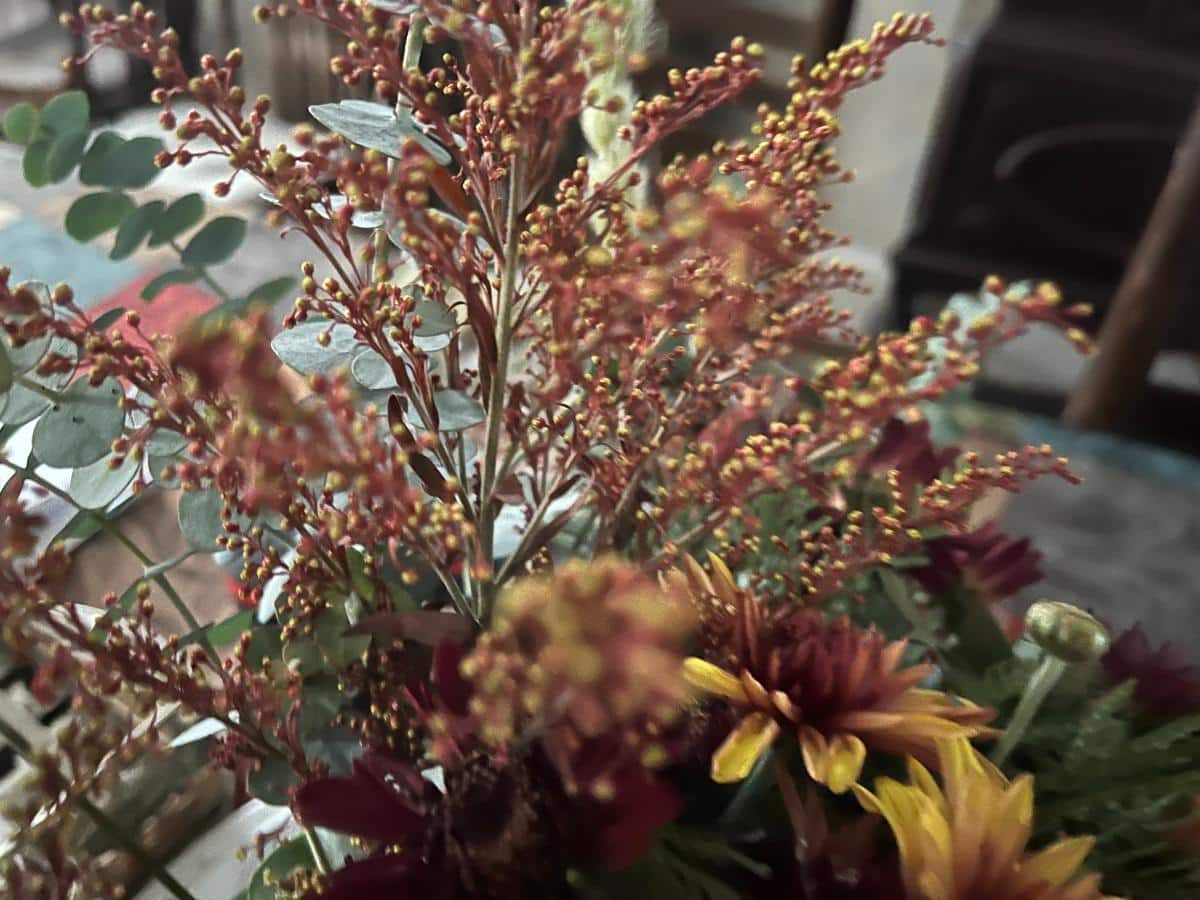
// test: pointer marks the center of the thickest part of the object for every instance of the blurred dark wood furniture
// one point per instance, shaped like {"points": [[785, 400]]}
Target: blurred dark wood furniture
{"points": [[1050, 154], [1148, 299]]}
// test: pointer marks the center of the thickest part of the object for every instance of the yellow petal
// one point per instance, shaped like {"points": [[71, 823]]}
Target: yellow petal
{"points": [[722, 578], [1059, 862], [737, 755], [753, 690], [835, 763], [697, 577], [846, 756], [922, 779], [866, 799], [712, 679]]}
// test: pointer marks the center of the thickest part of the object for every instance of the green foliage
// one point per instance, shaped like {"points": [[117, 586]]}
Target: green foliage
{"points": [[215, 242], [114, 162], [55, 139], [66, 113], [1102, 769], [94, 214], [265, 294], [685, 864], [135, 228], [64, 154], [182, 215], [21, 123], [108, 318], [159, 283]]}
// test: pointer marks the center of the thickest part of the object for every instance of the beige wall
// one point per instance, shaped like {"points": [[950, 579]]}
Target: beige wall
{"points": [[887, 125]]}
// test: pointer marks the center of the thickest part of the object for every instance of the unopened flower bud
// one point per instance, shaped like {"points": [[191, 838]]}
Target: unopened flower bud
{"points": [[1066, 631]]}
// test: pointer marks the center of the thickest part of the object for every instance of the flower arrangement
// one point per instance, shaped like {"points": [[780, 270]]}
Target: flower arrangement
{"points": [[567, 570]]}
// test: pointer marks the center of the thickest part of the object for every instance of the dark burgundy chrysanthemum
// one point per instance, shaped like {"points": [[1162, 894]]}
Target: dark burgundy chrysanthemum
{"points": [[985, 560], [1167, 684], [906, 448]]}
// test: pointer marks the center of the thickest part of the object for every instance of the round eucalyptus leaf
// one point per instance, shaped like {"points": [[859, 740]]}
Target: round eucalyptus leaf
{"points": [[21, 123], [92, 169], [21, 405], [114, 162], [81, 425], [66, 113], [457, 411], [434, 319], [33, 163], [215, 242], [299, 347], [200, 519], [179, 217], [156, 465], [93, 214], [432, 344], [372, 371], [97, 485], [166, 443]]}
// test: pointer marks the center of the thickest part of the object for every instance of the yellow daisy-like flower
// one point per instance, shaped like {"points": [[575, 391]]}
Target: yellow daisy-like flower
{"points": [[839, 688], [967, 839]]}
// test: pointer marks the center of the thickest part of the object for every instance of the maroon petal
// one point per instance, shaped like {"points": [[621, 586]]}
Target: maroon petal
{"points": [[452, 689], [627, 824], [359, 805], [1167, 685]]}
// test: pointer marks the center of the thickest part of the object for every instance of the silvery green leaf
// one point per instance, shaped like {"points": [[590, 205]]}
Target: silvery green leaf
{"points": [[205, 728], [457, 411], [80, 427], [166, 443], [200, 519], [372, 371], [298, 346], [97, 485], [371, 218], [435, 319], [272, 589], [376, 126]]}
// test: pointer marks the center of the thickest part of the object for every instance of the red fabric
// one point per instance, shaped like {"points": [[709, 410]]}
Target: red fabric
{"points": [[173, 308]]}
